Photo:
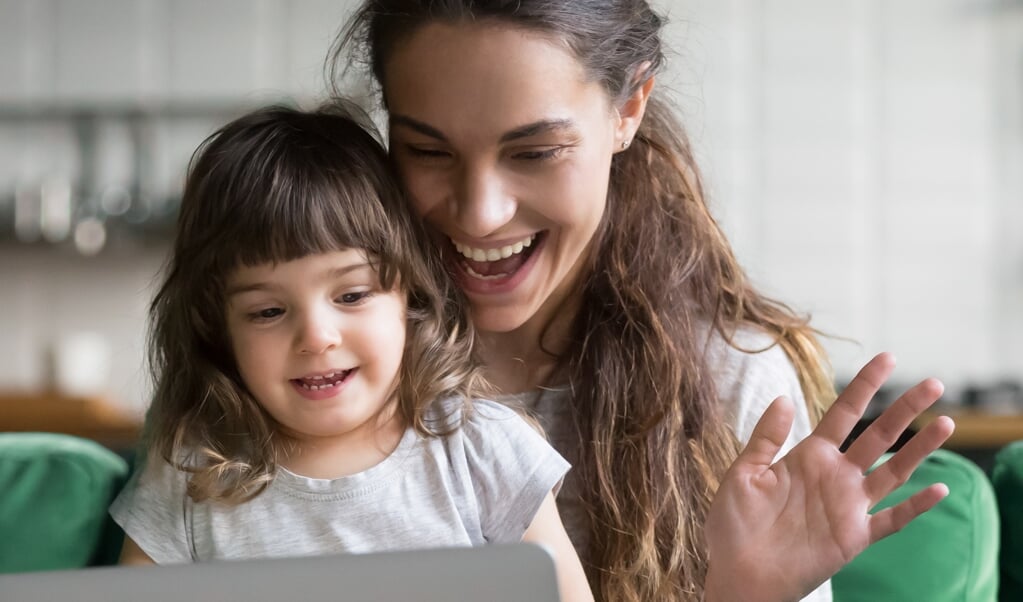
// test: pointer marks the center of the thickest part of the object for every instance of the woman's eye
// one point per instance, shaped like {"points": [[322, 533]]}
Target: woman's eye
{"points": [[427, 153], [264, 315], [354, 298], [540, 155]]}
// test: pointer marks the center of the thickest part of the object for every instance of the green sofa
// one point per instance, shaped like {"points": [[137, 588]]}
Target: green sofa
{"points": [[53, 505], [950, 554], [1007, 476], [56, 490]]}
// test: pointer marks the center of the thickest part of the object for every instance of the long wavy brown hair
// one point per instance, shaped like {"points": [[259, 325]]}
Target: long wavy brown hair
{"points": [[662, 278], [272, 186]]}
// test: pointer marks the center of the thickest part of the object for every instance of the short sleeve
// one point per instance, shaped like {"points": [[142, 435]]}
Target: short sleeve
{"points": [[512, 468], [153, 510], [747, 383]]}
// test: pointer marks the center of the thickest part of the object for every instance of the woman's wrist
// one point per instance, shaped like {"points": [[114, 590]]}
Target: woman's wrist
{"points": [[718, 587]]}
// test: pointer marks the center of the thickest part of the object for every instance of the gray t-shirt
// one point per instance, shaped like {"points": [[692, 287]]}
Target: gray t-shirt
{"points": [[482, 484], [746, 384]]}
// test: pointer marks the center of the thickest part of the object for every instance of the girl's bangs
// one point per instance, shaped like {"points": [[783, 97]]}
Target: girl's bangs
{"points": [[319, 213]]}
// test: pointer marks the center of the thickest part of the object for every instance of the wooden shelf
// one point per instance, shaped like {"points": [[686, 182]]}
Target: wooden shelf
{"points": [[91, 418], [978, 430]]}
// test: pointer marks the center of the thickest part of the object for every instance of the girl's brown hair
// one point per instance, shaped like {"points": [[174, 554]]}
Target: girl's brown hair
{"points": [[653, 441], [276, 185]]}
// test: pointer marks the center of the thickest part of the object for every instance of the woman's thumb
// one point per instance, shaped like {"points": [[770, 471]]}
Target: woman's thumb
{"points": [[769, 434]]}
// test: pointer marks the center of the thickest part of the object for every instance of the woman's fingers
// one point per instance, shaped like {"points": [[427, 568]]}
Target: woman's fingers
{"points": [[893, 473], [884, 431], [840, 419], [769, 434], [890, 520]]}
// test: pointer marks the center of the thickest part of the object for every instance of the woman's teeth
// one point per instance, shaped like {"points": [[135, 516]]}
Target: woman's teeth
{"points": [[494, 254], [476, 274]]}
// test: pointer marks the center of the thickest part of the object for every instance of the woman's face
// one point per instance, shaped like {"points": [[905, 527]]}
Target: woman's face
{"points": [[505, 149]]}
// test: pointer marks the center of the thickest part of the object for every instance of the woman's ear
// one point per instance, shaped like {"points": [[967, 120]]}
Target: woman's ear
{"points": [[630, 113]]}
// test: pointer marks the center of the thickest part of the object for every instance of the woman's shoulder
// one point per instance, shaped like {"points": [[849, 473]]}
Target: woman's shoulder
{"points": [[748, 351], [750, 370]]}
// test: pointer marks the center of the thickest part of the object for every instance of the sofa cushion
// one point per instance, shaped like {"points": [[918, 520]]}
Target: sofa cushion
{"points": [[1007, 477], [54, 494], [948, 554]]}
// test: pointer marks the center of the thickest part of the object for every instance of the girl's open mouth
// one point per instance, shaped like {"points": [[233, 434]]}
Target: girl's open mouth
{"points": [[322, 386]]}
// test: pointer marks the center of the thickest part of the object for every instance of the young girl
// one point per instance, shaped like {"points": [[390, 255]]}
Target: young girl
{"points": [[314, 367]]}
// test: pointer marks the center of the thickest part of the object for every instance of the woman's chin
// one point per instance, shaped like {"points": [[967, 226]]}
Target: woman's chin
{"points": [[499, 319]]}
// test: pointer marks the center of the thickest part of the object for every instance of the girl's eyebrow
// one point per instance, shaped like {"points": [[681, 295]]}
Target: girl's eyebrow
{"points": [[259, 285], [542, 126]]}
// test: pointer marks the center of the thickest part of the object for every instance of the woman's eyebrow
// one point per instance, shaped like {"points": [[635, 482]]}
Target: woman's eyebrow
{"points": [[542, 126], [418, 126]]}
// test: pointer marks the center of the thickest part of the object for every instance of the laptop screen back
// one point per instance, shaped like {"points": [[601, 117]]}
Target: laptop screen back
{"points": [[500, 573]]}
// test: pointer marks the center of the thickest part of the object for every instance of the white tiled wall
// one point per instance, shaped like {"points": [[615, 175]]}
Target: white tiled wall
{"points": [[866, 157], [128, 50]]}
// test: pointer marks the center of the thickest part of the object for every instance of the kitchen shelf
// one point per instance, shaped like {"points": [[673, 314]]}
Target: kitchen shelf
{"points": [[89, 417]]}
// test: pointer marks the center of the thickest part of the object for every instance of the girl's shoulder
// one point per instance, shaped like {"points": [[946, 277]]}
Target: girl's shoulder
{"points": [[506, 465], [487, 432], [478, 417]]}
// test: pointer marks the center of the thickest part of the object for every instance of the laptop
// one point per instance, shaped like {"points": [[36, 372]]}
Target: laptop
{"points": [[498, 573]]}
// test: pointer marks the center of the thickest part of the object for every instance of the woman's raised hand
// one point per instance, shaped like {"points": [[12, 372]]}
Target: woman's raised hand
{"points": [[777, 530]]}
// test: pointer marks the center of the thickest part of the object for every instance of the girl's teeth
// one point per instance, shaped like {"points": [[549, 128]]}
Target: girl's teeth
{"points": [[494, 254], [315, 387]]}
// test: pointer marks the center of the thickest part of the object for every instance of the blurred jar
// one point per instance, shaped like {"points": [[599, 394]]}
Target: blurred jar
{"points": [[81, 364]]}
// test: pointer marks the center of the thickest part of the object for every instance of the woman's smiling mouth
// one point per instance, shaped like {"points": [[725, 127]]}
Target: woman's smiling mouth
{"points": [[498, 264]]}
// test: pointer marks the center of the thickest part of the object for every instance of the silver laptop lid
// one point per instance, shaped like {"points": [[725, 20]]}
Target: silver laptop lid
{"points": [[499, 573]]}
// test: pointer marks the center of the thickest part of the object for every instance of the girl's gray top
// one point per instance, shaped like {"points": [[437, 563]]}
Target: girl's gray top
{"points": [[482, 484]]}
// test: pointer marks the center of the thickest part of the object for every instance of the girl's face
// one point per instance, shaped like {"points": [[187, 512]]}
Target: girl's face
{"points": [[318, 343], [505, 149]]}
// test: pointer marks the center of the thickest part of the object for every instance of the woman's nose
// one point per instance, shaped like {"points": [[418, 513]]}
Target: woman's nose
{"points": [[318, 334], [482, 203]]}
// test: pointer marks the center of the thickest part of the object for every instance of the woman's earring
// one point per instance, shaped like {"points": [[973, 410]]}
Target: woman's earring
{"points": [[625, 144]]}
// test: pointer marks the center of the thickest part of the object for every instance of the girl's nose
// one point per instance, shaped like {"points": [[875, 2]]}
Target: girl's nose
{"points": [[318, 335], [482, 203]]}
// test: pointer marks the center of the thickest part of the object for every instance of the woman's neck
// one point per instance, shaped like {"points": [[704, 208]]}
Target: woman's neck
{"points": [[521, 360], [515, 371]]}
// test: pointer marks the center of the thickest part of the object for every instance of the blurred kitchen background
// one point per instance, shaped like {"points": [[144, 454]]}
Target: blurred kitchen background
{"points": [[866, 159]]}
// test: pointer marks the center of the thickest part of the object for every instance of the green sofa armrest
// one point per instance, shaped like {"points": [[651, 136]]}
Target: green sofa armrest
{"points": [[948, 554], [54, 494], [1007, 477]]}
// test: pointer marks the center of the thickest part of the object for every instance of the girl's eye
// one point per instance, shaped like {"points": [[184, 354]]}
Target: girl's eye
{"points": [[354, 298], [267, 314], [540, 155]]}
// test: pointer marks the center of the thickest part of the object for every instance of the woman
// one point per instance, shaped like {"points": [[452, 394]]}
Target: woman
{"points": [[529, 136]]}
